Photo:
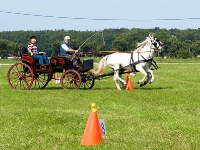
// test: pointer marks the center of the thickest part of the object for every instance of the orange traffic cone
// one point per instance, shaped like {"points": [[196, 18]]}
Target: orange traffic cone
{"points": [[127, 74], [56, 80], [92, 134], [127, 78], [101, 73], [93, 105], [129, 84]]}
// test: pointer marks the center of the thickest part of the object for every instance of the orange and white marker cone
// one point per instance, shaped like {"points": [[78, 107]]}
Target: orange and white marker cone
{"points": [[93, 105], [129, 84], [56, 80], [92, 134], [127, 74], [101, 73]]}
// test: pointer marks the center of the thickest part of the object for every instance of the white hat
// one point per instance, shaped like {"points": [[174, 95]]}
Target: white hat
{"points": [[66, 37]]}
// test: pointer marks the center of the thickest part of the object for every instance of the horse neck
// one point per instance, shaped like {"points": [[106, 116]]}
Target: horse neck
{"points": [[145, 48], [147, 51]]}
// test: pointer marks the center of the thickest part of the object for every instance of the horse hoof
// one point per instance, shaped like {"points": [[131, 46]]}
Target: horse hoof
{"points": [[145, 82], [141, 85], [138, 82]]}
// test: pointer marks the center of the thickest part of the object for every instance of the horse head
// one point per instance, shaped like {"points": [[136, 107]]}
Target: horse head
{"points": [[157, 44]]}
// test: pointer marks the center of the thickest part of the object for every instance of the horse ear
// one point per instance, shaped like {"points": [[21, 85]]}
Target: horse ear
{"points": [[152, 36]]}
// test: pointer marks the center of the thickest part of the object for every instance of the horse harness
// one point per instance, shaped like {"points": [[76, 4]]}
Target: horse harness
{"points": [[133, 64]]}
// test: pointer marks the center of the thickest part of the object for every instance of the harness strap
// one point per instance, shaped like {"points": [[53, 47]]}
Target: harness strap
{"points": [[133, 64], [153, 62]]}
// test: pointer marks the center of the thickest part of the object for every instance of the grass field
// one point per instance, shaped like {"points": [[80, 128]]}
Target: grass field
{"points": [[162, 115]]}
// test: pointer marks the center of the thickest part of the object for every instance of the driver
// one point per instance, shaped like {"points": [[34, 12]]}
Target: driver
{"points": [[68, 52]]}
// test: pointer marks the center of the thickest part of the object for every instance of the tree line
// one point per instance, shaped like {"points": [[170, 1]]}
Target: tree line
{"points": [[177, 43]]}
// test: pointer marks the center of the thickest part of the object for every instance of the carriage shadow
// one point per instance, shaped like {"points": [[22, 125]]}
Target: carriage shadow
{"points": [[107, 88], [135, 88]]}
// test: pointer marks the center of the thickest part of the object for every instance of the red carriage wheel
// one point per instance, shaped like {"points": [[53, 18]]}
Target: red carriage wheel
{"points": [[70, 79], [20, 76]]}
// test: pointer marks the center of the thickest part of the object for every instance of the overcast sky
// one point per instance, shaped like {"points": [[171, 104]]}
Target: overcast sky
{"points": [[98, 14]]}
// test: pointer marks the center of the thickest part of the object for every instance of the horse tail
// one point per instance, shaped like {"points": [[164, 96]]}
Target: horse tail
{"points": [[102, 64]]}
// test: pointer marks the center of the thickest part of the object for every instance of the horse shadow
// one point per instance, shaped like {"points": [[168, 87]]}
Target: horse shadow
{"points": [[153, 88]]}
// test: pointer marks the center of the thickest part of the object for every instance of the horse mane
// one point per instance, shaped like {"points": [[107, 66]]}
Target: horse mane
{"points": [[141, 45]]}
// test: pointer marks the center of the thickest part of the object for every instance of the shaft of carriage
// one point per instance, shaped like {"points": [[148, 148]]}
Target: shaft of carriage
{"points": [[112, 73]]}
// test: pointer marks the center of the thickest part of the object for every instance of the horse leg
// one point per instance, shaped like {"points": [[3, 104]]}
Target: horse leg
{"points": [[117, 78], [148, 78], [149, 72], [123, 84], [152, 76], [140, 69], [116, 82]]}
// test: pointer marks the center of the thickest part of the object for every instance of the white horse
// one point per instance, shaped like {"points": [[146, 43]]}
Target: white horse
{"points": [[140, 60]]}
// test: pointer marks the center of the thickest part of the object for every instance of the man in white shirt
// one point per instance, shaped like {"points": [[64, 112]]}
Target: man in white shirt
{"points": [[67, 51]]}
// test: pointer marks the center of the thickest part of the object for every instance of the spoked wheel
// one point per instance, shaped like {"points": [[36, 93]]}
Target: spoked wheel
{"points": [[20, 76], [41, 80], [87, 80], [70, 79]]}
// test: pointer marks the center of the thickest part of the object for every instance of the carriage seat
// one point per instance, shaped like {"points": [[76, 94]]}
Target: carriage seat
{"points": [[60, 61], [24, 51], [26, 56]]}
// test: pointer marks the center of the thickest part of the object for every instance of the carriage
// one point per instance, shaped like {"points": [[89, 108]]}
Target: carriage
{"points": [[29, 74]]}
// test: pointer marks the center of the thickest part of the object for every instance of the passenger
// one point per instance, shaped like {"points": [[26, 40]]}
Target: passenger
{"points": [[32, 49], [68, 52]]}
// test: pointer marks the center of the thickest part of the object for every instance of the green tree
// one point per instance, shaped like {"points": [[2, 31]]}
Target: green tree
{"points": [[120, 44], [4, 46], [101, 47], [186, 45], [8, 47], [196, 48], [182, 53], [55, 48], [89, 47], [75, 43], [165, 38], [108, 39], [173, 45]]}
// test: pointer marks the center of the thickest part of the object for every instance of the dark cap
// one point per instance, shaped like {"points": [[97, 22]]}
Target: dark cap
{"points": [[33, 37]]}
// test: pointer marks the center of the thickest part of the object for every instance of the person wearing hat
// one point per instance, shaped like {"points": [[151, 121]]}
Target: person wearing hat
{"points": [[67, 51], [32, 49]]}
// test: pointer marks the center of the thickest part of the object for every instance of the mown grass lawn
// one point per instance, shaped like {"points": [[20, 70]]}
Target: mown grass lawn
{"points": [[163, 115]]}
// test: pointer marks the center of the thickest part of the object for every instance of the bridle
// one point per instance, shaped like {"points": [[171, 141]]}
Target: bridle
{"points": [[156, 43]]}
